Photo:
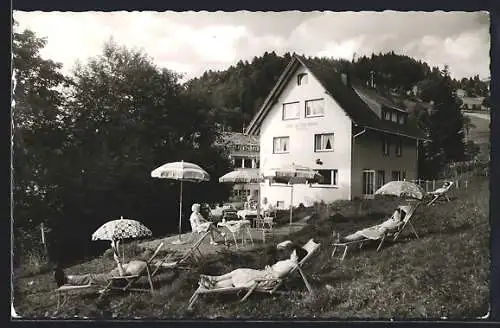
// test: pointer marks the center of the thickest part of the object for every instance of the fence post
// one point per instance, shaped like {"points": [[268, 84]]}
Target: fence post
{"points": [[42, 230]]}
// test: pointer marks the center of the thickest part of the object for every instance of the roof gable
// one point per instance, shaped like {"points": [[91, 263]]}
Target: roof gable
{"points": [[345, 95]]}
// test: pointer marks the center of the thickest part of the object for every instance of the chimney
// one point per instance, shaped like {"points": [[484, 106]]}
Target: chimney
{"points": [[372, 79]]}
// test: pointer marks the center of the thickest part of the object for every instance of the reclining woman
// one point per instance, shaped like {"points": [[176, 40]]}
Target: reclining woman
{"points": [[244, 277], [393, 223], [129, 269], [200, 224]]}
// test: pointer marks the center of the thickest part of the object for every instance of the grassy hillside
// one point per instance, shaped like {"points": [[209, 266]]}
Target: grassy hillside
{"points": [[444, 273]]}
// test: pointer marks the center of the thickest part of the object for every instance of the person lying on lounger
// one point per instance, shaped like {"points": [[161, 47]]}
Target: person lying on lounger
{"points": [[244, 277], [393, 223], [131, 268], [200, 224]]}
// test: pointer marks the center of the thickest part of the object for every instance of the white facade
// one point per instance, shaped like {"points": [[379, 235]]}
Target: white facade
{"points": [[301, 151]]}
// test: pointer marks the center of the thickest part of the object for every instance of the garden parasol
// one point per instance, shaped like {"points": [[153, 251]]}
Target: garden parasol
{"points": [[116, 230], [403, 189], [181, 171], [293, 174], [244, 176]]}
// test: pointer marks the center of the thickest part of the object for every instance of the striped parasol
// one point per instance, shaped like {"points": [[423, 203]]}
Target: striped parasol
{"points": [[181, 171], [242, 176], [403, 189]]}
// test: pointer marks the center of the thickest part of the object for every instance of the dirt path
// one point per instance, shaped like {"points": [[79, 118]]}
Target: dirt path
{"points": [[277, 235]]}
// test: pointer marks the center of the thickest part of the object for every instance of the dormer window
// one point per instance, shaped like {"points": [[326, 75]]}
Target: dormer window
{"points": [[302, 79], [394, 117], [387, 115]]}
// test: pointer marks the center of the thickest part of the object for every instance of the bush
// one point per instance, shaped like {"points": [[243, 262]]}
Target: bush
{"points": [[35, 262]]}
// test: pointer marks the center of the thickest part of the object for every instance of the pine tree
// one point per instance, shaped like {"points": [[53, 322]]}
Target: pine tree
{"points": [[445, 126]]}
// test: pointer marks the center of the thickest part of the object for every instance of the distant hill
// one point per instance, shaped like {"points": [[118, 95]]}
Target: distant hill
{"points": [[236, 94]]}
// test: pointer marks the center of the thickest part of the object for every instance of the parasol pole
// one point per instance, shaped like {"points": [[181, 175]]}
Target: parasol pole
{"points": [[116, 256], [291, 203], [180, 212]]}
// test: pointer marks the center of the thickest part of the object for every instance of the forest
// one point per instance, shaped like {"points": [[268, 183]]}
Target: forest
{"points": [[84, 144]]}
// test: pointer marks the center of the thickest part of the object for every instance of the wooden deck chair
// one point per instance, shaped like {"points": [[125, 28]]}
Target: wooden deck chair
{"points": [[269, 286], [64, 291], [408, 209], [130, 280], [439, 193], [193, 252]]}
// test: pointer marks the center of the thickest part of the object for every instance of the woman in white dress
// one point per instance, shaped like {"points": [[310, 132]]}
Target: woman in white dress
{"points": [[200, 224], [244, 277]]}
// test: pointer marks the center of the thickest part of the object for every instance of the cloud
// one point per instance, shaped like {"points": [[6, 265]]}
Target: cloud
{"points": [[193, 42]]}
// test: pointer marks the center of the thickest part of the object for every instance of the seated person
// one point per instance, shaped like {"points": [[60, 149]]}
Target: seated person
{"points": [[131, 268], [390, 224], [244, 277], [445, 186], [266, 207], [200, 224]]}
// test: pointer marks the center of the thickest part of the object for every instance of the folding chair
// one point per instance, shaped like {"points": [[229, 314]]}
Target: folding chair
{"points": [[64, 291], [440, 192], [269, 286], [192, 252], [131, 279], [408, 209]]}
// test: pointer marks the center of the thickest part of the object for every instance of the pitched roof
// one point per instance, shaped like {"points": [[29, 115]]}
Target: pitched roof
{"points": [[347, 97], [238, 138]]}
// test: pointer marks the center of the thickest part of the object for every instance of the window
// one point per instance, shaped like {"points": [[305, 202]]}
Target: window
{"points": [[281, 145], [385, 147], [404, 175], [387, 115], [396, 176], [238, 161], [399, 148], [323, 142], [394, 117], [380, 178], [368, 182], [280, 204], [302, 79], [257, 164], [291, 111], [248, 163], [329, 177], [401, 119], [315, 107]]}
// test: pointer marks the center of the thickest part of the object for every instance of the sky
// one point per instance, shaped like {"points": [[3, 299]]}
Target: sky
{"points": [[191, 43]]}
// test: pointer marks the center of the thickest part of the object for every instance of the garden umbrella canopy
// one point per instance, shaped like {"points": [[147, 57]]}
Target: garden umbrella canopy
{"points": [[181, 171], [403, 189]]}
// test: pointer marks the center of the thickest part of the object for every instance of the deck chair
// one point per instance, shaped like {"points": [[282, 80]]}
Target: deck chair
{"points": [[408, 209], [269, 286], [130, 280], [440, 192], [194, 252], [64, 291]]}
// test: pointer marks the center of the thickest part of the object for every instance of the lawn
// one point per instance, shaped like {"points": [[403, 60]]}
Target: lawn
{"points": [[444, 273]]}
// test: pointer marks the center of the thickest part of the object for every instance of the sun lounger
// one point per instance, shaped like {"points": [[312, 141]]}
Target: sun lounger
{"points": [[64, 291], [381, 235], [130, 280], [269, 286], [193, 252], [440, 193]]}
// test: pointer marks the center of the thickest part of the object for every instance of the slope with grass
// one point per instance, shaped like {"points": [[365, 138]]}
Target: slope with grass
{"points": [[445, 273]]}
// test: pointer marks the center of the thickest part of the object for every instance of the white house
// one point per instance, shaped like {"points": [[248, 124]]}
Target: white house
{"points": [[354, 137]]}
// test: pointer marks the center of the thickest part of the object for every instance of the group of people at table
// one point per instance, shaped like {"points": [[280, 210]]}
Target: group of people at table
{"points": [[200, 222]]}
